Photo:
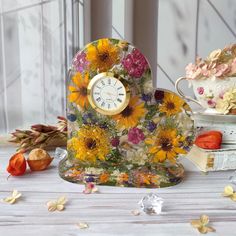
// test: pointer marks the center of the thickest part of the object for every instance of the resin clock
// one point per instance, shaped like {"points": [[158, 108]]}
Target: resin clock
{"points": [[122, 131]]}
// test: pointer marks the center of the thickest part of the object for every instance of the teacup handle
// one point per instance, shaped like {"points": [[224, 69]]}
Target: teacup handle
{"points": [[182, 94]]}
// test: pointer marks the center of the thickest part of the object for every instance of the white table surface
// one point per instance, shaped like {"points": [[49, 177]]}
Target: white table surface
{"points": [[109, 212]]}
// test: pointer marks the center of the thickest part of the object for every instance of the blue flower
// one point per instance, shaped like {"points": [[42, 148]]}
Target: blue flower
{"points": [[71, 117]]}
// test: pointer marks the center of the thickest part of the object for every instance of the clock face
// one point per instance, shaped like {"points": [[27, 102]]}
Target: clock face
{"points": [[107, 94]]}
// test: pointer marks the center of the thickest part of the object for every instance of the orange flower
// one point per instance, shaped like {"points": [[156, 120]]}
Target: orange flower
{"points": [[123, 177], [104, 177], [78, 93], [155, 179], [17, 164], [142, 178]]}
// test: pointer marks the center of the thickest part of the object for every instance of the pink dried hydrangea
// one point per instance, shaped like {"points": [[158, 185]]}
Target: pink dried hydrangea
{"points": [[135, 63], [221, 70], [80, 62], [192, 71], [219, 64], [135, 135], [233, 67]]}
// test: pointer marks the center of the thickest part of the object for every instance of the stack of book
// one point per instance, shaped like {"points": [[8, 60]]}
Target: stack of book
{"points": [[220, 159]]}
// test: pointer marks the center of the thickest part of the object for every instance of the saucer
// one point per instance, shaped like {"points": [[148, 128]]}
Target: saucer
{"points": [[213, 117]]}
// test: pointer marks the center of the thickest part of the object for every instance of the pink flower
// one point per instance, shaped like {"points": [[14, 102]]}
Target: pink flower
{"points": [[233, 67], [135, 63], [135, 135], [221, 70], [192, 71], [211, 103], [200, 90], [90, 188], [206, 71], [80, 62]]}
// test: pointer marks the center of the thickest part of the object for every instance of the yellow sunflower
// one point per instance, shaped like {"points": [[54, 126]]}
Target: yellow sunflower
{"points": [[103, 56], [165, 145], [171, 104], [78, 92], [131, 115], [91, 143]]}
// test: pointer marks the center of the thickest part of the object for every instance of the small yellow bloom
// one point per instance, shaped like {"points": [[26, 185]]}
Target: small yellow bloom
{"points": [[78, 92], [171, 105], [202, 225], [229, 192], [13, 198], [131, 115], [165, 144], [91, 143], [228, 102], [57, 205], [103, 55]]}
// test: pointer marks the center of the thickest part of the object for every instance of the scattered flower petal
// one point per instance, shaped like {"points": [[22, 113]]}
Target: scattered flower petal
{"points": [[57, 205], [202, 225], [82, 225], [135, 212], [12, 199], [90, 188], [229, 192]]}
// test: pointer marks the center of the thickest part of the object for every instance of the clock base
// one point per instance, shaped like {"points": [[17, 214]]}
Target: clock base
{"points": [[158, 176]]}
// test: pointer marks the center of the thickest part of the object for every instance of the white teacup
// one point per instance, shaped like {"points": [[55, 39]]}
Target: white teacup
{"points": [[207, 91]]}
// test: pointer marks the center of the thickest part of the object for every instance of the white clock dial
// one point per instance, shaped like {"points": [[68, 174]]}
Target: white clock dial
{"points": [[108, 94]]}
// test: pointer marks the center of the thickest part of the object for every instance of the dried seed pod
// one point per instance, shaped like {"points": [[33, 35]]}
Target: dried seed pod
{"points": [[39, 159]]}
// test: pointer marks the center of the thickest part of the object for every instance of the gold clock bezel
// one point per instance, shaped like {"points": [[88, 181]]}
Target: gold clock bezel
{"points": [[92, 102]]}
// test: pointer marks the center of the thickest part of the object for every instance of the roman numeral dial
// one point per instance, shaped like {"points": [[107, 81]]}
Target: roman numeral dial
{"points": [[107, 94]]}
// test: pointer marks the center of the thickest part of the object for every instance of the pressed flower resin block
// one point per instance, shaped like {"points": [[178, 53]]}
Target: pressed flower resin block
{"points": [[121, 131]]}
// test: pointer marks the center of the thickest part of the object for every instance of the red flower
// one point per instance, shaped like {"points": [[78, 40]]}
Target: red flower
{"points": [[17, 164]]}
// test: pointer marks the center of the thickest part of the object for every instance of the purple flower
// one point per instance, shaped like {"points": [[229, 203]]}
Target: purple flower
{"points": [[135, 135], [146, 97], [135, 63], [80, 62], [151, 126], [115, 142], [88, 118], [200, 90]]}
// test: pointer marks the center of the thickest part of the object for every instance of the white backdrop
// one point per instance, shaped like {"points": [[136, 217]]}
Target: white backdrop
{"points": [[39, 37]]}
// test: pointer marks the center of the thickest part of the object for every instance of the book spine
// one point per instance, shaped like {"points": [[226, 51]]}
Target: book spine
{"points": [[221, 160]]}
